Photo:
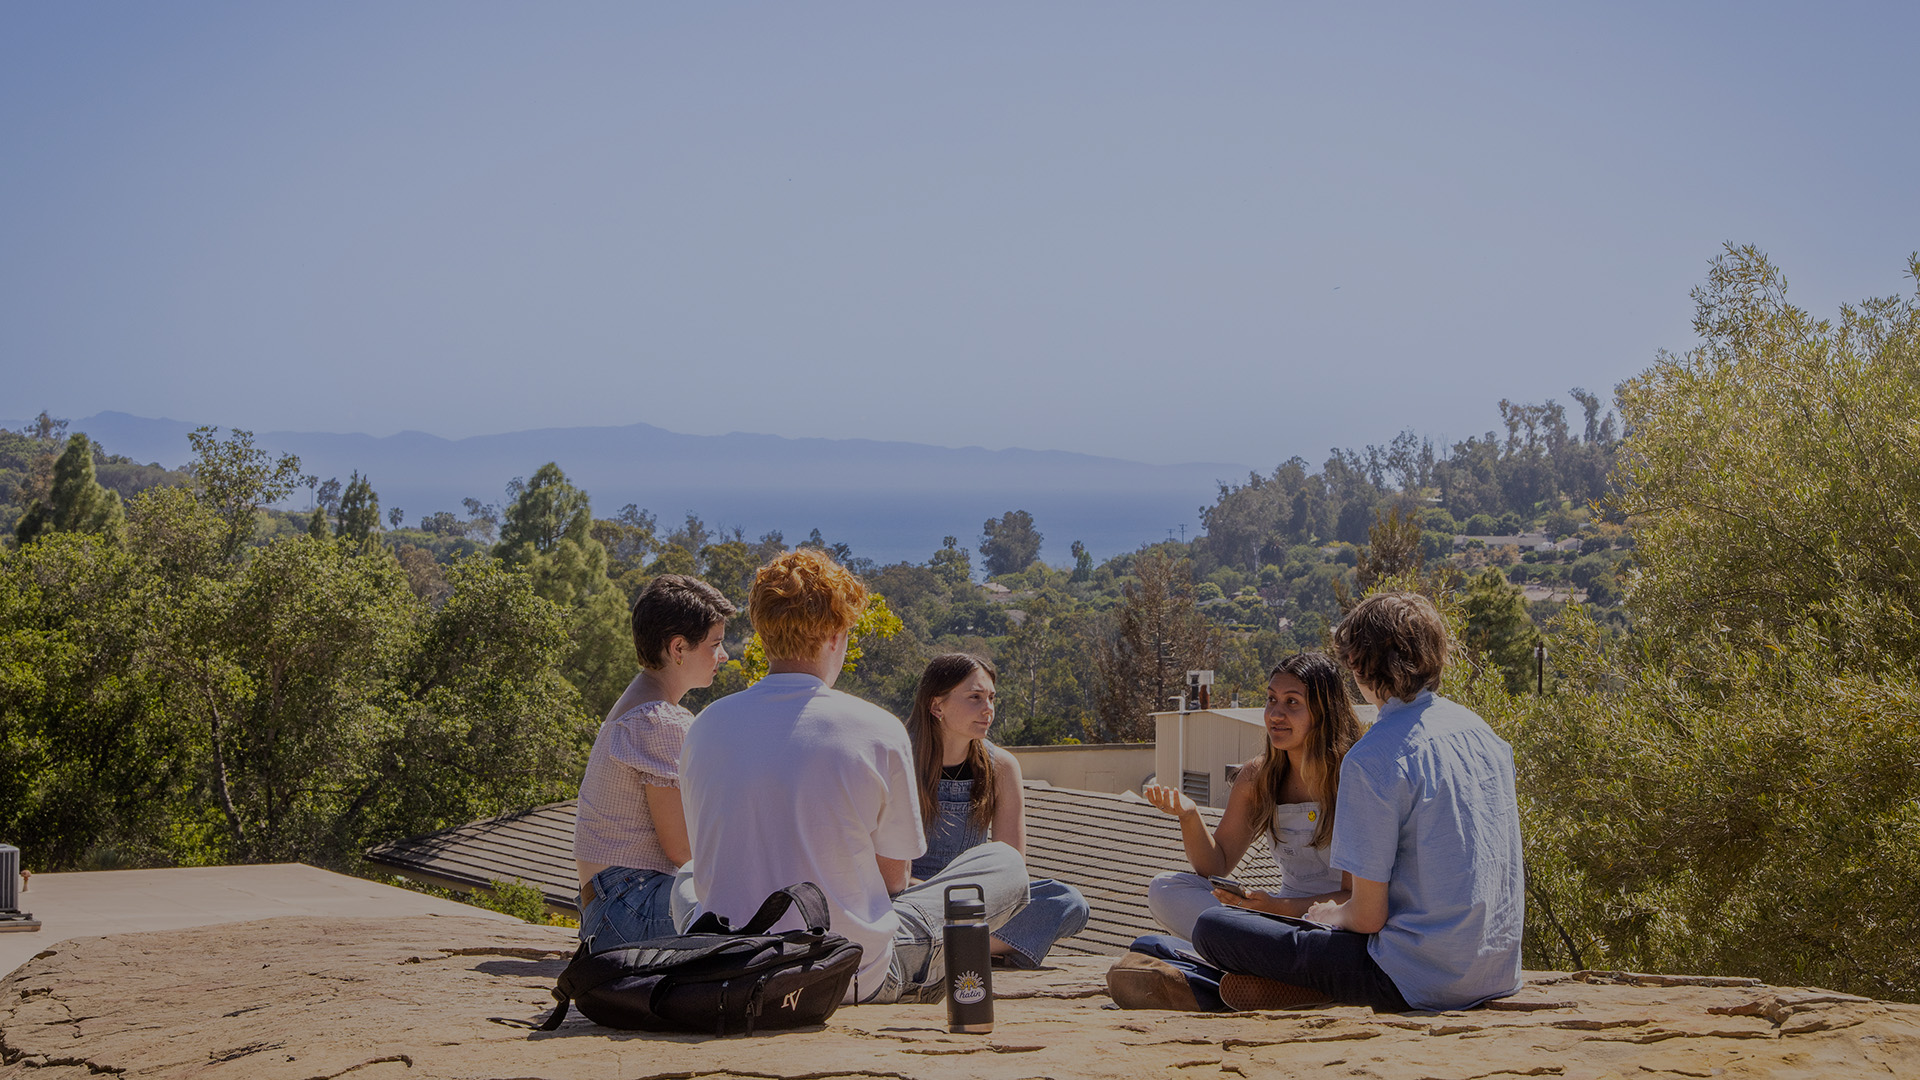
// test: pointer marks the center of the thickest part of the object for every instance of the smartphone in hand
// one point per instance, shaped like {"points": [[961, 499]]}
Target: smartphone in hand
{"points": [[1227, 884]]}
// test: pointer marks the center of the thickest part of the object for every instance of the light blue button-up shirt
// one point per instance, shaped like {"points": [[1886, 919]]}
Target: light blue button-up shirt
{"points": [[1427, 805]]}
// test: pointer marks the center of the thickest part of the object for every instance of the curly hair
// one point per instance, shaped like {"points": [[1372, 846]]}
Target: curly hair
{"points": [[801, 599], [1395, 642]]}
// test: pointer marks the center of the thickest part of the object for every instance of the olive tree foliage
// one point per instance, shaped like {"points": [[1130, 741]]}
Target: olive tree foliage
{"points": [[235, 479], [89, 753], [1734, 790], [180, 699], [1774, 471]]}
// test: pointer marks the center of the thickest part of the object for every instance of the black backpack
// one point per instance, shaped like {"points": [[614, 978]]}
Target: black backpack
{"points": [[717, 979]]}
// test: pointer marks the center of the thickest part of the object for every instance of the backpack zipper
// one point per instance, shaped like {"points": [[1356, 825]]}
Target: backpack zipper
{"points": [[755, 1001]]}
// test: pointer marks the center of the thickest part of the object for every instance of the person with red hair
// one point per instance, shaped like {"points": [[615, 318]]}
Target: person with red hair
{"points": [[791, 780]]}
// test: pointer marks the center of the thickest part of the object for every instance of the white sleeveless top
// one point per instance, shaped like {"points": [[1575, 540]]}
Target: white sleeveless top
{"points": [[1304, 869]]}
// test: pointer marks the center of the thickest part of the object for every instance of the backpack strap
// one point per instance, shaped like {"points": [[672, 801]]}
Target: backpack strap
{"points": [[812, 903], [562, 992]]}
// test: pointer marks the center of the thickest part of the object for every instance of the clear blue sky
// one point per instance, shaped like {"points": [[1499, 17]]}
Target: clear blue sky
{"points": [[1215, 232]]}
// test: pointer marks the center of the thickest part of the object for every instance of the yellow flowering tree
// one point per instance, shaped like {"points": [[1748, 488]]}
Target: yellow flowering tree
{"points": [[877, 622]]}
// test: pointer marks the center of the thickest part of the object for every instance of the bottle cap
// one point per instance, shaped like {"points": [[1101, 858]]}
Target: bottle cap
{"points": [[966, 909]]}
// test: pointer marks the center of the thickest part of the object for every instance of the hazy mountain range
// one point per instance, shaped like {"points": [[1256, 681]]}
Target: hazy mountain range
{"points": [[887, 500]]}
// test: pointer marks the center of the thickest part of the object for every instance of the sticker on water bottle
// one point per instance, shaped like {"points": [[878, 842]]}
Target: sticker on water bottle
{"points": [[969, 988]]}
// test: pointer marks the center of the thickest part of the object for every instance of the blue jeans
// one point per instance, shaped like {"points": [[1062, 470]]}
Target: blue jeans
{"points": [[1334, 962], [919, 969], [628, 905]]}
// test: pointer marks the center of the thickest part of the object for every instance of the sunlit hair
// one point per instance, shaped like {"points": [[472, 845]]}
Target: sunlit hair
{"points": [[671, 606], [1396, 643], [943, 675], [801, 599], [1335, 729]]}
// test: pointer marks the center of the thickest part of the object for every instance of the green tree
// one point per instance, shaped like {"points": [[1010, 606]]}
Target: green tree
{"points": [[1041, 699], [77, 502], [90, 755], [673, 559], [235, 479], [629, 538], [952, 564], [359, 511], [1783, 445], [540, 512], [1498, 628], [1082, 563], [1732, 790], [1158, 636], [1009, 543], [573, 574], [730, 567], [167, 702]]}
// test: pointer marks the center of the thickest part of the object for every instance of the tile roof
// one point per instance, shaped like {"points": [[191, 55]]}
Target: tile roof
{"points": [[1107, 846]]}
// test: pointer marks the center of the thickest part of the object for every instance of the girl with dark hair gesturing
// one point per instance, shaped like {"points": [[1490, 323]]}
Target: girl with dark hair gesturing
{"points": [[1288, 792], [970, 793]]}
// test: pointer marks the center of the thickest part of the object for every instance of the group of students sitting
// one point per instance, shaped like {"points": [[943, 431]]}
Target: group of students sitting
{"points": [[1414, 887]]}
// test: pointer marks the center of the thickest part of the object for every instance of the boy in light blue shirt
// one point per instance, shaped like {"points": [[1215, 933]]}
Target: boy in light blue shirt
{"points": [[1428, 823], [1428, 830]]}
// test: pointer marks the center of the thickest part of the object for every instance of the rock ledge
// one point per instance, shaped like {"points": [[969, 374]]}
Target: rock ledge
{"points": [[429, 997]]}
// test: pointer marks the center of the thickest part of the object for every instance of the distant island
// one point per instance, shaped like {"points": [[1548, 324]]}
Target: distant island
{"points": [[884, 499]]}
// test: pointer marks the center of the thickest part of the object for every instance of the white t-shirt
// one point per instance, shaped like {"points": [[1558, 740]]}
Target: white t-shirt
{"points": [[791, 781]]}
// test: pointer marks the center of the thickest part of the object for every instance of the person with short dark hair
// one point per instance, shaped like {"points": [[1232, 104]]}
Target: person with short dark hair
{"points": [[791, 780], [630, 831]]}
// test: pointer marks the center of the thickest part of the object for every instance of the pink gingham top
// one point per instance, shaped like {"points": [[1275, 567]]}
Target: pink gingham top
{"points": [[639, 747]]}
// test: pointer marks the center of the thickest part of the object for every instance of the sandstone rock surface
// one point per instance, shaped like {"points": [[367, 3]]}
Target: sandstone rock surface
{"points": [[431, 997]]}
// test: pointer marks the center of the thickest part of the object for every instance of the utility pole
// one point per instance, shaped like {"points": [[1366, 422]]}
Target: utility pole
{"points": [[1540, 667]]}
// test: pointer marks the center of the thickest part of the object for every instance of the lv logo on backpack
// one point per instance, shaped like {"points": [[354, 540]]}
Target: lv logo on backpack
{"points": [[717, 979]]}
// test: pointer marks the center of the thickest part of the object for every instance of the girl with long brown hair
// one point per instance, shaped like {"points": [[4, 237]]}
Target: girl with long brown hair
{"points": [[970, 793], [1289, 792]]}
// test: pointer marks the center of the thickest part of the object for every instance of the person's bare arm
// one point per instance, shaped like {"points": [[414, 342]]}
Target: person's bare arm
{"points": [[1010, 802], [1365, 910], [669, 821], [1216, 854], [894, 872]]}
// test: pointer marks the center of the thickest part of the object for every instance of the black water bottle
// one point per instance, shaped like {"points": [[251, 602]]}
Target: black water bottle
{"points": [[969, 947]]}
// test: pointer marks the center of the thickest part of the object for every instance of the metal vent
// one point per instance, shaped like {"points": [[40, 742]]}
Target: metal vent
{"points": [[1197, 786], [9, 878]]}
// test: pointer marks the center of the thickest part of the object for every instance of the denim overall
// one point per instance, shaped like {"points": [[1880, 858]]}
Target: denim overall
{"points": [[1054, 909]]}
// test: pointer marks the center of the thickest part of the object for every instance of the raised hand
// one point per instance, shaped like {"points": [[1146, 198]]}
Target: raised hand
{"points": [[1169, 801]]}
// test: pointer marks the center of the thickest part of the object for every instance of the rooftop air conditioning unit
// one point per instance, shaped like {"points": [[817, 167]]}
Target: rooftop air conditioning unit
{"points": [[11, 917]]}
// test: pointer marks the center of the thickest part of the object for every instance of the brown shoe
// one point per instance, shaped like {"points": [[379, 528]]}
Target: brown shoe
{"points": [[1140, 981], [1246, 993]]}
